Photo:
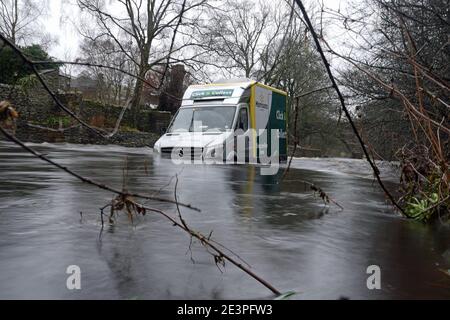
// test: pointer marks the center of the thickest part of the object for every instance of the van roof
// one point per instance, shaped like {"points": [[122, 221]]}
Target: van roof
{"points": [[230, 91]]}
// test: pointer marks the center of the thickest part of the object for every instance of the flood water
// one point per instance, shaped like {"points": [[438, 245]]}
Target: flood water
{"points": [[282, 230]]}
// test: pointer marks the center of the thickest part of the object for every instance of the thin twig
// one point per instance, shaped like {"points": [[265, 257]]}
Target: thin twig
{"points": [[87, 180], [344, 107], [295, 139], [208, 243], [102, 66], [46, 87]]}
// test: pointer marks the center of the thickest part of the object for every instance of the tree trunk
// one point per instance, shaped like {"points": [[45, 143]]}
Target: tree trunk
{"points": [[143, 68], [137, 92]]}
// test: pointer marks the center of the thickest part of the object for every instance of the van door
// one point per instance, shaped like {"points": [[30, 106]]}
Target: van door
{"points": [[241, 134]]}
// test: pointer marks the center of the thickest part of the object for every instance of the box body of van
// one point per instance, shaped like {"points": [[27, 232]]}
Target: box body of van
{"points": [[215, 116]]}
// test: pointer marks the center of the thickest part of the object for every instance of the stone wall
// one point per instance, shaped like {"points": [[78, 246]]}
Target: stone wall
{"points": [[80, 135], [144, 120], [38, 111], [36, 106]]}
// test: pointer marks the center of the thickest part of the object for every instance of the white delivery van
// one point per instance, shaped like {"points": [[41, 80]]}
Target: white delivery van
{"points": [[212, 117]]}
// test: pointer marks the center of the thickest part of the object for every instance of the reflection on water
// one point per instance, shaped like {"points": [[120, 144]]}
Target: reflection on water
{"points": [[283, 230]]}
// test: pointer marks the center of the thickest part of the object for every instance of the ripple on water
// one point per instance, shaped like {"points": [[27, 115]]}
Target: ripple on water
{"points": [[283, 230]]}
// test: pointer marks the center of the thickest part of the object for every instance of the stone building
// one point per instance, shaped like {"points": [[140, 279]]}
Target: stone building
{"points": [[170, 99], [57, 81]]}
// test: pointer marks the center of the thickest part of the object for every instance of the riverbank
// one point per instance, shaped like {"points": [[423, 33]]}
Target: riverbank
{"points": [[79, 135]]}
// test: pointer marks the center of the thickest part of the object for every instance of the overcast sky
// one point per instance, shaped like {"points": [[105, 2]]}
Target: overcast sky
{"points": [[60, 24], [64, 15]]}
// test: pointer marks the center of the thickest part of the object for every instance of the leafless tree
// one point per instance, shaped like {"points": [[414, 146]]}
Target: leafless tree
{"points": [[113, 82], [240, 35], [145, 31], [19, 19], [269, 42], [398, 73]]}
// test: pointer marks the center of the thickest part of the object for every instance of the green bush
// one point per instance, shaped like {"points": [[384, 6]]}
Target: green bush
{"points": [[429, 201], [53, 122], [13, 68]]}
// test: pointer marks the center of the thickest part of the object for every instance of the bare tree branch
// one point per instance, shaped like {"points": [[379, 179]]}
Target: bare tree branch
{"points": [[376, 172]]}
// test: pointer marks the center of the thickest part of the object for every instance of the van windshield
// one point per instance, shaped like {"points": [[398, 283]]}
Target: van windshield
{"points": [[201, 119]]}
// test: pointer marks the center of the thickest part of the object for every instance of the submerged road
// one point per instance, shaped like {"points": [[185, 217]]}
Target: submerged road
{"points": [[282, 230]]}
